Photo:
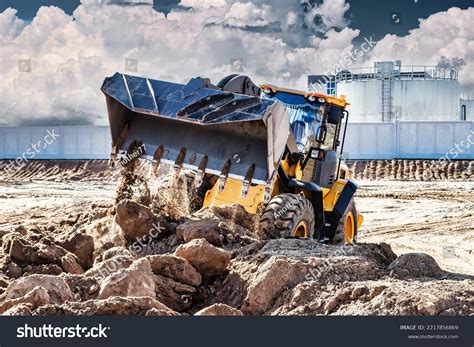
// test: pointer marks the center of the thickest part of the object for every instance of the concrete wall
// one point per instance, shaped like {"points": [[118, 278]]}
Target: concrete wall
{"points": [[67, 142], [410, 140], [376, 140], [422, 100]]}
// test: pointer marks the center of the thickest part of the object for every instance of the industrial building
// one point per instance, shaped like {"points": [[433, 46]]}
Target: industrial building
{"points": [[389, 92]]}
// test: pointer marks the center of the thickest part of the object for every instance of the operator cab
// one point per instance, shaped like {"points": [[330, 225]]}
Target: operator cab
{"points": [[315, 121]]}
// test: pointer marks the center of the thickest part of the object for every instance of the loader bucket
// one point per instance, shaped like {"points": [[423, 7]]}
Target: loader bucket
{"points": [[196, 126]]}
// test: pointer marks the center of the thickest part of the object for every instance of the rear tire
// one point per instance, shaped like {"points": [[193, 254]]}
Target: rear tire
{"points": [[346, 231], [287, 215]]}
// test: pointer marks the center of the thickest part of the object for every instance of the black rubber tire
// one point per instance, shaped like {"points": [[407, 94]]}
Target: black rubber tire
{"points": [[283, 214], [340, 235]]}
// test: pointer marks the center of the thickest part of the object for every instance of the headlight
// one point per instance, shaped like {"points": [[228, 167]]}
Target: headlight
{"points": [[266, 90], [311, 98], [317, 154], [321, 100]]}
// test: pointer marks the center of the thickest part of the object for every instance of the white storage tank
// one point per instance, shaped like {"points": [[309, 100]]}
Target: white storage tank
{"points": [[466, 108], [389, 92]]}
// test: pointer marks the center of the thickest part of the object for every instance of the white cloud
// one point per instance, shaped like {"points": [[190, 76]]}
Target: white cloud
{"points": [[447, 34], [71, 55], [10, 25]]}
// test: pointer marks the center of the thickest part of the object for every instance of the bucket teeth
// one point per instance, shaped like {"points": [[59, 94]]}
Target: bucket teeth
{"points": [[157, 157], [203, 164], [224, 174], [192, 159], [178, 164], [247, 181], [199, 173]]}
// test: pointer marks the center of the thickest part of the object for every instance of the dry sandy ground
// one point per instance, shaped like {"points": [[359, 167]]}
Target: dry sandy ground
{"points": [[436, 218], [72, 254]]}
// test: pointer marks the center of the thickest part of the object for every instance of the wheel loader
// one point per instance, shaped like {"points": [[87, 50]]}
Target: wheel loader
{"points": [[272, 150]]}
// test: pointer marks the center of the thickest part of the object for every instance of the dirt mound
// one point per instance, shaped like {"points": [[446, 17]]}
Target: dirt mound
{"points": [[412, 170], [56, 170], [95, 170], [215, 274]]}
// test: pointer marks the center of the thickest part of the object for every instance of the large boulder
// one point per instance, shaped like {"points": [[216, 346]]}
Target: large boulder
{"points": [[137, 280], [210, 261], [219, 310], [176, 268], [274, 276], [200, 229], [415, 265], [57, 288], [138, 222], [117, 306]]}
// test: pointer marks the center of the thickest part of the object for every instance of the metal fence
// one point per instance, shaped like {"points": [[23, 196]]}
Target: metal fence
{"points": [[397, 140]]}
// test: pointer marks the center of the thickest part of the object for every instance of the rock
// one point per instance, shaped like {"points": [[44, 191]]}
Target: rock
{"points": [[273, 277], [432, 306], [20, 252], [109, 266], [415, 265], [84, 288], [38, 296], [219, 310], [138, 222], [114, 251], [4, 281], [112, 306], [25, 251], [58, 289], [388, 252], [200, 229], [70, 264], [18, 310], [176, 268], [81, 244], [137, 280], [11, 269], [154, 312], [177, 296], [210, 261]]}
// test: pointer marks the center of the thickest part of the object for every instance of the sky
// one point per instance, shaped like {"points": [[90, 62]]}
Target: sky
{"points": [[55, 54]]}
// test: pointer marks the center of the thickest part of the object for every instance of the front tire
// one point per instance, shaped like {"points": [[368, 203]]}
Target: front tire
{"points": [[346, 231], [287, 215]]}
